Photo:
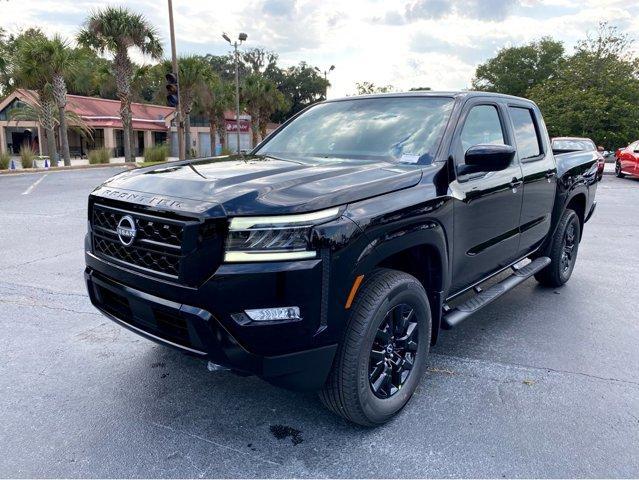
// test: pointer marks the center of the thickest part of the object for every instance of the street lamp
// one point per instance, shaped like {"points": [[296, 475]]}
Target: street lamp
{"points": [[241, 38], [326, 72]]}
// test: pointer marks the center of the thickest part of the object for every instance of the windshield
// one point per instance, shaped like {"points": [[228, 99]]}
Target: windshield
{"points": [[402, 129], [573, 145]]}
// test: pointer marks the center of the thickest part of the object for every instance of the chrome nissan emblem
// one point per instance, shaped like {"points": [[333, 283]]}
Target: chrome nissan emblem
{"points": [[126, 230]]}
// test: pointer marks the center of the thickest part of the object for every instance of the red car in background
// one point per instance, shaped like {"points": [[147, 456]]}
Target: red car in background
{"points": [[627, 160]]}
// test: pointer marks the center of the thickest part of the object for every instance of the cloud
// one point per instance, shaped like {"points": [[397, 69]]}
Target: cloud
{"points": [[279, 8], [406, 43], [486, 10], [472, 52]]}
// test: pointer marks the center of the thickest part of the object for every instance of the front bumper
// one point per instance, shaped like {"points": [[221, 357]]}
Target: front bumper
{"points": [[265, 350]]}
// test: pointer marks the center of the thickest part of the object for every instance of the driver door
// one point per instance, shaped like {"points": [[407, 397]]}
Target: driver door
{"points": [[487, 205]]}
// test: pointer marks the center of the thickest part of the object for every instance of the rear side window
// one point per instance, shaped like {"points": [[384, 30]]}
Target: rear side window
{"points": [[526, 137], [482, 126]]}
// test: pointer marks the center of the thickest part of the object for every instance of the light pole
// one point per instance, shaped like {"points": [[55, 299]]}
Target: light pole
{"points": [[241, 38], [326, 72], [178, 107]]}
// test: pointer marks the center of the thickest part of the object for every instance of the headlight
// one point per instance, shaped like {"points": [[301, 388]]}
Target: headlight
{"points": [[265, 239]]}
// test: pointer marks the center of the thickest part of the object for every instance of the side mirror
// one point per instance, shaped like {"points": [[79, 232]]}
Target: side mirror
{"points": [[487, 158]]}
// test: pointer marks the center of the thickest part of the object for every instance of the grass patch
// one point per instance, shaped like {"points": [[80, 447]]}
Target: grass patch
{"points": [[156, 154], [27, 157], [5, 161], [99, 155]]}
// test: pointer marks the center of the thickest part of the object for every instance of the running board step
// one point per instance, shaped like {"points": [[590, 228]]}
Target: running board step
{"points": [[462, 312]]}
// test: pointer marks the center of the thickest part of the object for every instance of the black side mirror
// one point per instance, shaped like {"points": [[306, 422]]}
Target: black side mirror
{"points": [[487, 158]]}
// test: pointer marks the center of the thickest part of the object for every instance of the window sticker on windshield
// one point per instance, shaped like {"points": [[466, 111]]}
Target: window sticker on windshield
{"points": [[409, 158]]}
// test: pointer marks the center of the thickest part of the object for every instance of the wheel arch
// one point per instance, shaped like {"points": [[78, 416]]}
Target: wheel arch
{"points": [[418, 251], [425, 263], [577, 203]]}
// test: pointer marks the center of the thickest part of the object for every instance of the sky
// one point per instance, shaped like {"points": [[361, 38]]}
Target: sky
{"points": [[413, 43]]}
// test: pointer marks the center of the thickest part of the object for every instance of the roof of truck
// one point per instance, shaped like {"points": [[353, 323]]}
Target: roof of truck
{"points": [[432, 93]]}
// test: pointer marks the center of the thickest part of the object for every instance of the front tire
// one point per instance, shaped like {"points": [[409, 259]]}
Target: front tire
{"points": [[381, 358], [618, 170], [563, 251]]}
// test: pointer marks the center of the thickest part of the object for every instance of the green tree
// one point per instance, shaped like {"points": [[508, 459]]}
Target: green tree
{"points": [[193, 74], [116, 30], [224, 66], [365, 88], [261, 98], [516, 69], [301, 86], [596, 91], [5, 63], [262, 61], [216, 96], [53, 58], [30, 72]]}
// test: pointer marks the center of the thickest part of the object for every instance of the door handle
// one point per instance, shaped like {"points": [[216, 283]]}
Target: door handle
{"points": [[515, 184], [549, 174]]}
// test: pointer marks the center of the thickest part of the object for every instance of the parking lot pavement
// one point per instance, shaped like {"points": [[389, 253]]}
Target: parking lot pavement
{"points": [[541, 383]]}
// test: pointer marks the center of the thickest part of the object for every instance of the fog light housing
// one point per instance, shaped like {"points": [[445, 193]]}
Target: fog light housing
{"points": [[274, 314]]}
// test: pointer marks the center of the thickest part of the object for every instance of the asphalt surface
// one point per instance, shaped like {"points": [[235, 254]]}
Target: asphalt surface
{"points": [[542, 383]]}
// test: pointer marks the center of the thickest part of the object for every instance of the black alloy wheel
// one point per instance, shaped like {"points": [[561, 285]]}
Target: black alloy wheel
{"points": [[383, 352], [392, 355], [567, 257], [562, 251]]}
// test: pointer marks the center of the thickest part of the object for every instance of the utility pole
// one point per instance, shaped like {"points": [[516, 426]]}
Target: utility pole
{"points": [[242, 37], [178, 107]]}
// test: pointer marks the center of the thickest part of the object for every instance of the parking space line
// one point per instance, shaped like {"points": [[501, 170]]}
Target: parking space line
{"points": [[34, 184]]}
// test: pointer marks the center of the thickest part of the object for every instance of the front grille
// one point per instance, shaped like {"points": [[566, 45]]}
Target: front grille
{"points": [[153, 230], [140, 257], [185, 250]]}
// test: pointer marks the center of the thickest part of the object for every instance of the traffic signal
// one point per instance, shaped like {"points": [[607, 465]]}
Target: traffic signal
{"points": [[172, 90]]}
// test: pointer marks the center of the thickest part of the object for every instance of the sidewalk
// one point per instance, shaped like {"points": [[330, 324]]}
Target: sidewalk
{"points": [[75, 163]]}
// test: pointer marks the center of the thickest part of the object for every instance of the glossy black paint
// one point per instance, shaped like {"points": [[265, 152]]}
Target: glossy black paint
{"points": [[449, 230], [487, 158]]}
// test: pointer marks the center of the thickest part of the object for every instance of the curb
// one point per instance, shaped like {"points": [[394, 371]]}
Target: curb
{"points": [[64, 169]]}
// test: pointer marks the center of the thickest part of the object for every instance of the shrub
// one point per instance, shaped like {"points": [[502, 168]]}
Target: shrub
{"points": [[5, 160], [99, 155], [158, 153], [27, 157], [227, 151]]}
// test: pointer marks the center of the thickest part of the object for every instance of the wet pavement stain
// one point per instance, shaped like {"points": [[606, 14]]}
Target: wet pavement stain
{"points": [[281, 431]]}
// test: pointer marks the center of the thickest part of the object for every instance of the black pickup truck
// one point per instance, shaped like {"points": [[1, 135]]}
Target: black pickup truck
{"points": [[330, 258]]}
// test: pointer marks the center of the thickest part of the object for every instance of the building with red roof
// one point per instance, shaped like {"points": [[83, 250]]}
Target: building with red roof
{"points": [[152, 124]]}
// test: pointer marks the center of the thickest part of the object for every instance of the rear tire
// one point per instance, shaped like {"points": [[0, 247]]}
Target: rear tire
{"points": [[382, 356], [618, 170], [563, 251]]}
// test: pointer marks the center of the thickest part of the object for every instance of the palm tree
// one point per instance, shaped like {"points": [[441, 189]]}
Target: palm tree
{"points": [[261, 98], [217, 97], [116, 30], [193, 73], [30, 72], [57, 60]]}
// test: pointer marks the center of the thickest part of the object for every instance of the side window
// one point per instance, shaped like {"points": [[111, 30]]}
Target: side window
{"points": [[528, 144], [482, 126]]}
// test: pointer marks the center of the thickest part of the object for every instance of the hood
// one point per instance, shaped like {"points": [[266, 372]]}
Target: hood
{"points": [[265, 186]]}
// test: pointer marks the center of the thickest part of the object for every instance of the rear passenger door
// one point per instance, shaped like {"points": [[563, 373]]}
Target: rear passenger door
{"points": [[540, 175]]}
